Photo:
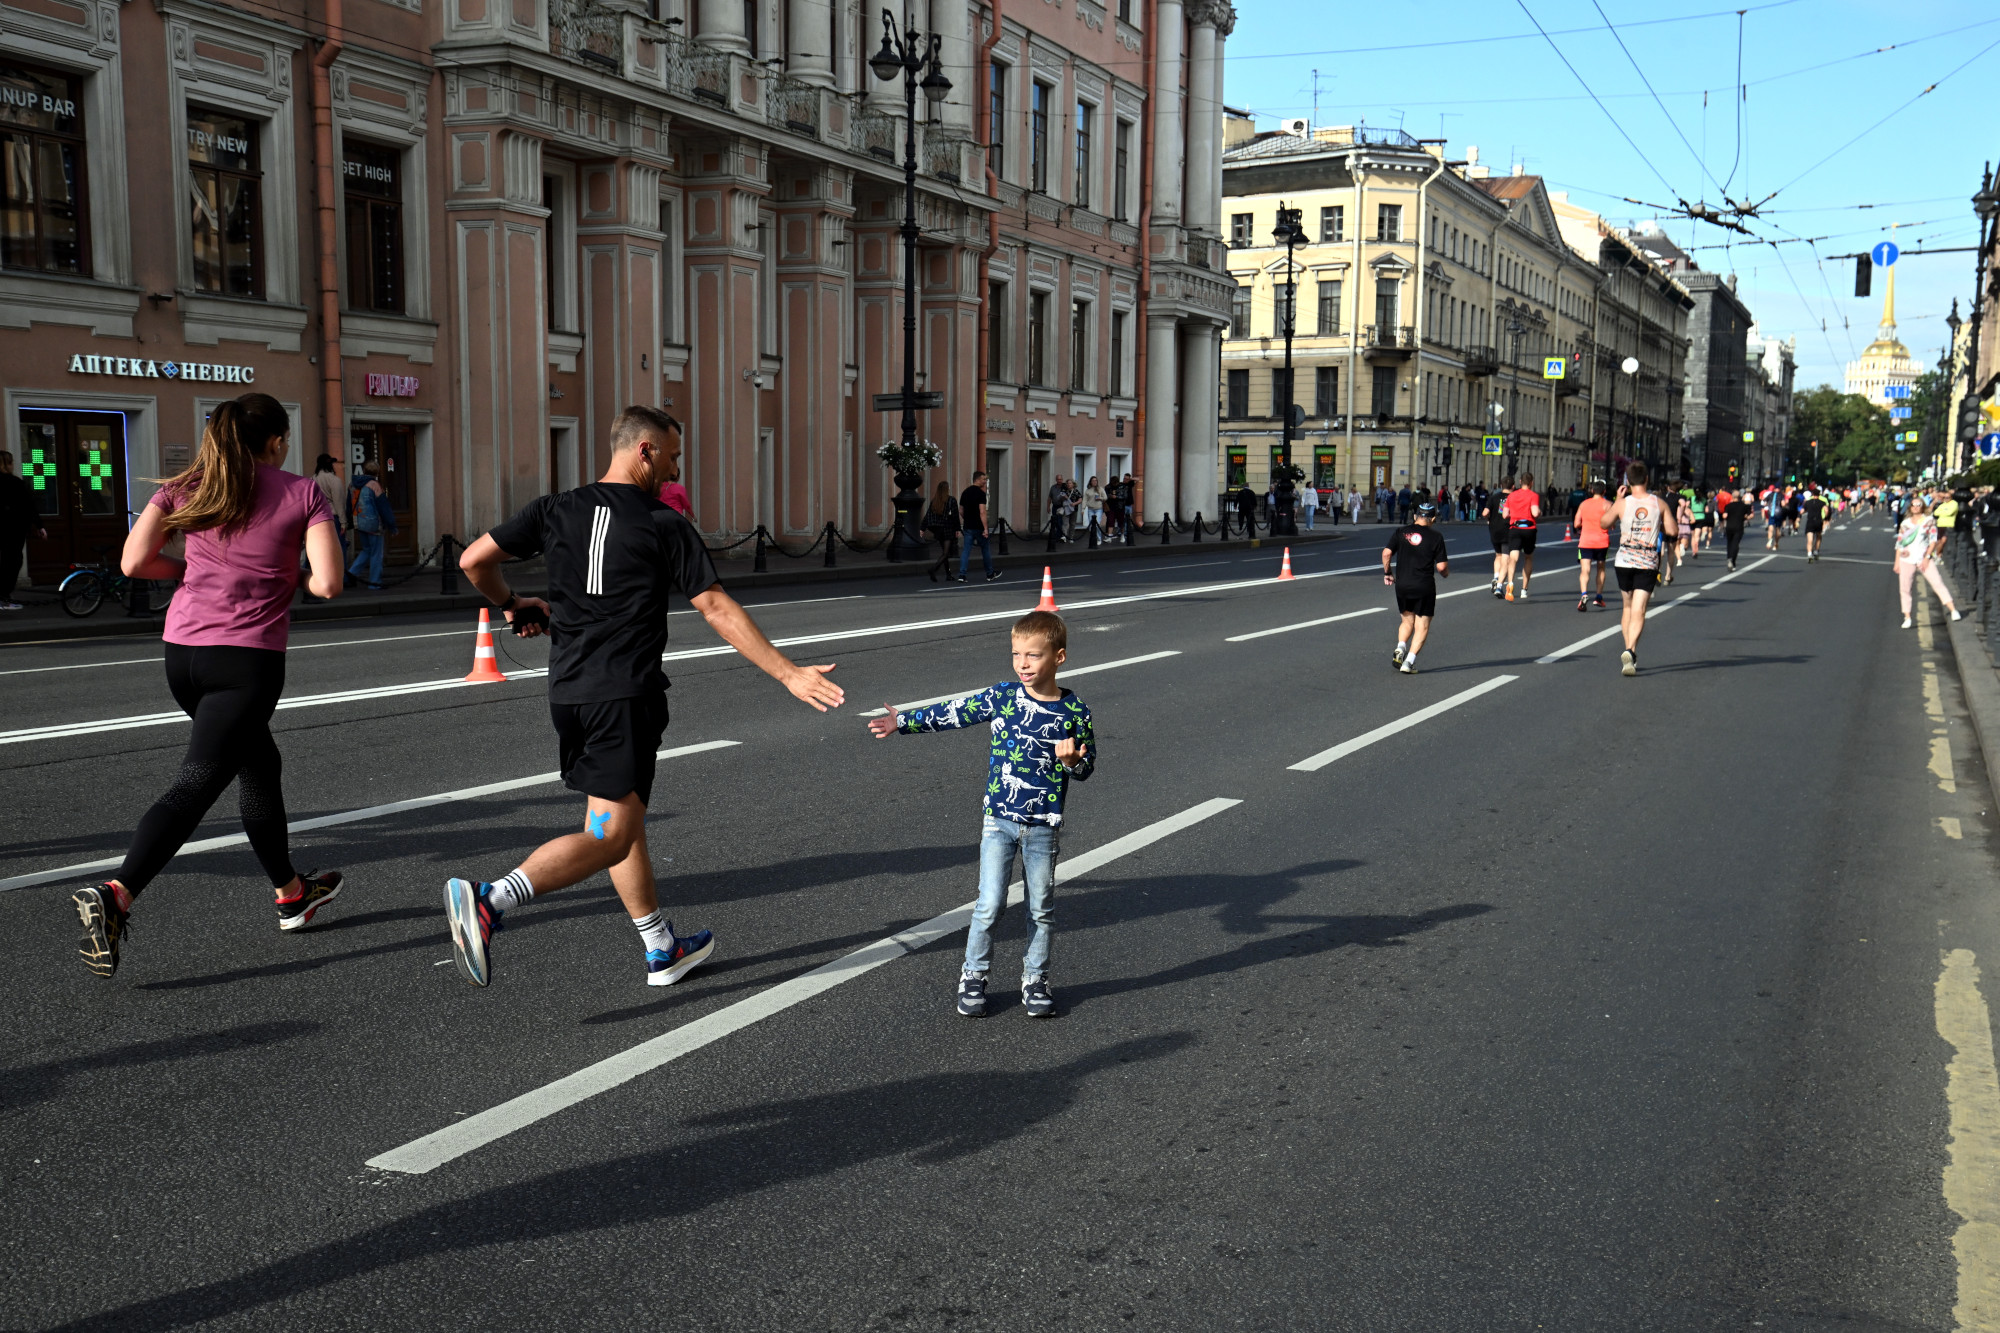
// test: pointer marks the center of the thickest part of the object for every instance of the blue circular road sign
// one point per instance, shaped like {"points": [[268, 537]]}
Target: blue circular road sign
{"points": [[1884, 254]]}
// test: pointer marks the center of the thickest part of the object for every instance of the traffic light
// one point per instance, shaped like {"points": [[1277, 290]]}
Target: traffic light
{"points": [[1864, 270], [1968, 420]]}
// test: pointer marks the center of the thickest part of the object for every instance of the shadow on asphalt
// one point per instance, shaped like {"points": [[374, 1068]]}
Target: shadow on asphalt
{"points": [[923, 1119], [28, 1084], [690, 994]]}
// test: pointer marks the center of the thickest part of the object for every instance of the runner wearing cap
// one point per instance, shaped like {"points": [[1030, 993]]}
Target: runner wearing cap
{"points": [[1417, 552]]}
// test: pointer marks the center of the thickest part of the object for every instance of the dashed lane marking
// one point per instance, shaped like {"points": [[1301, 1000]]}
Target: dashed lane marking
{"points": [[1063, 674], [1972, 1167], [1303, 624], [1585, 642], [329, 821], [1316, 762], [455, 1140], [1950, 828]]}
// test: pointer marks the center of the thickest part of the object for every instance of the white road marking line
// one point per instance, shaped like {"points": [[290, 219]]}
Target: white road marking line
{"points": [[1303, 624], [1198, 564], [81, 666], [1062, 674], [1603, 634], [1363, 741], [345, 817], [296, 648], [1972, 1170], [1950, 828], [1708, 587], [455, 1140]]}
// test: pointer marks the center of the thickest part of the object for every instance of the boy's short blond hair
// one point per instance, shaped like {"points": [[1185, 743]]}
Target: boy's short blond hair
{"points": [[1046, 626]]}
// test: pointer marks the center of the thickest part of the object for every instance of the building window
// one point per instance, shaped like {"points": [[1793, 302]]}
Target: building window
{"points": [[1038, 338], [1329, 307], [551, 269], [1333, 224], [1239, 395], [1388, 222], [1385, 391], [228, 215], [1326, 391], [1239, 230], [1083, 126], [670, 303], [44, 225], [1118, 318], [1281, 392], [1079, 345], [997, 115], [1121, 170], [996, 332], [1239, 313], [373, 184], [1038, 139], [1386, 306], [1124, 11]]}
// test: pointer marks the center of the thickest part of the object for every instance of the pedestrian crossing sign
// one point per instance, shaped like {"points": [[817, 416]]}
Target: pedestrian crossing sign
{"points": [[1492, 444], [1554, 367]]}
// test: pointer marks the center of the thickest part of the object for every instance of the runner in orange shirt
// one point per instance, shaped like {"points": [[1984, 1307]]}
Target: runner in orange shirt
{"points": [[1593, 547]]}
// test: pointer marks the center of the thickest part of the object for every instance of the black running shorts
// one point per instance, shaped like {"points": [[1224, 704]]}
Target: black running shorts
{"points": [[609, 750], [1500, 542], [1417, 601], [1596, 553], [1522, 540], [1814, 529], [1637, 580]]}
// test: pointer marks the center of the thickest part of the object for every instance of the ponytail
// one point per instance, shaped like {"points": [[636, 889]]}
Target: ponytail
{"points": [[216, 490]]}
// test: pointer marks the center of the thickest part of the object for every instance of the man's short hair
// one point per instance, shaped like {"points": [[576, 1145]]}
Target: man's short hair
{"points": [[978, 476], [638, 421], [1046, 626], [1635, 474]]}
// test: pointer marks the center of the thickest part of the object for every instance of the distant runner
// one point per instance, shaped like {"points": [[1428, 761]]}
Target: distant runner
{"points": [[1593, 547], [1735, 513], [1417, 551], [1813, 508], [1524, 513], [1495, 514], [1646, 522]]}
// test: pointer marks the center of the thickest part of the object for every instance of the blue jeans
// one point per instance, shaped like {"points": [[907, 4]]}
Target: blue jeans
{"points": [[1038, 845], [965, 551], [369, 552]]}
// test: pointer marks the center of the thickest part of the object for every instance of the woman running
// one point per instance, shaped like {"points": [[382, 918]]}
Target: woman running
{"points": [[1917, 545], [1684, 521], [245, 520]]}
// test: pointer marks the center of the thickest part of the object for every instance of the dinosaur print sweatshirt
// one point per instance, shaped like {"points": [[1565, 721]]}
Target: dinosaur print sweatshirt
{"points": [[1024, 780]]}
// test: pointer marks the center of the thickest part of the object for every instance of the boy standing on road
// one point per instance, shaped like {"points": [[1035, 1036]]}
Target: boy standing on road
{"points": [[614, 554], [1646, 523], [1417, 549], [1042, 737], [1593, 546]]}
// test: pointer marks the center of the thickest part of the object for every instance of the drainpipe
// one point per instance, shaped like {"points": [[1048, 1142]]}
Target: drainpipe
{"points": [[1139, 315], [329, 232], [983, 110]]}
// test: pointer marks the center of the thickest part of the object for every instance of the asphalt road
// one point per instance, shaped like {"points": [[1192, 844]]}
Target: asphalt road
{"points": [[1584, 1003]]}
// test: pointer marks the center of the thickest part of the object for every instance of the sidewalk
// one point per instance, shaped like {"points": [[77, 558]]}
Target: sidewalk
{"points": [[1977, 677], [42, 618]]}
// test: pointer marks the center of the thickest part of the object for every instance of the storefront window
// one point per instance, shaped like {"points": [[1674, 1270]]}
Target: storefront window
{"points": [[43, 225], [374, 186], [225, 183]]}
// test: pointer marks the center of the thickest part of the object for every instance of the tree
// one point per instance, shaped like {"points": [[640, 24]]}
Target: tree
{"points": [[1854, 436]]}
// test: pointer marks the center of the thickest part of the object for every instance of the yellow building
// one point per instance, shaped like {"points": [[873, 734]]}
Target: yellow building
{"points": [[1430, 296], [1885, 364]]}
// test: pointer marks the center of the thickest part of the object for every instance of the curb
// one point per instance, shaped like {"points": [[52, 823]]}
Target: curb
{"points": [[149, 626], [1980, 682]]}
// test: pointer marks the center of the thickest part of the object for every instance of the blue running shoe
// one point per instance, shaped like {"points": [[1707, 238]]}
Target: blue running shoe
{"points": [[1037, 1000], [666, 966], [473, 921]]}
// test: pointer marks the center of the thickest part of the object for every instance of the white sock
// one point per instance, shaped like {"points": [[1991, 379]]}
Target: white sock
{"points": [[652, 928], [1410, 659], [512, 891], [1402, 645]]}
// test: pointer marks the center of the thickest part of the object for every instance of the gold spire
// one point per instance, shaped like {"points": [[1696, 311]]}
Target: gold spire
{"points": [[1889, 305]]}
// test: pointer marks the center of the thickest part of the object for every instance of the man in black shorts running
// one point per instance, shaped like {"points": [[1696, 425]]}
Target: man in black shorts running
{"points": [[1495, 514], [614, 554], [1734, 515], [1417, 550], [1813, 509]]}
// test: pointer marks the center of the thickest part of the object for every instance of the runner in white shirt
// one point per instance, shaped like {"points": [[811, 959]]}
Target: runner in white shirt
{"points": [[1644, 518]]}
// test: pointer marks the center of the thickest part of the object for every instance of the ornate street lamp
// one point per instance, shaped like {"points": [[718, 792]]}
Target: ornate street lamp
{"points": [[909, 53], [1290, 233]]}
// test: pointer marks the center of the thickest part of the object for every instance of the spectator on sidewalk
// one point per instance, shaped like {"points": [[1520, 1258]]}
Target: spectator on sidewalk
{"points": [[1354, 505], [374, 521], [1246, 509], [1093, 506], [326, 476], [18, 518], [1404, 499], [1058, 507], [1308, 503], [942, 522]]}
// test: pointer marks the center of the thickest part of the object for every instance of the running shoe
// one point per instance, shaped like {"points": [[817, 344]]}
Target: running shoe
{"points": [[666, 966], [1524, 591], [10, 606], [994, 575], [1409, 667], [1906, 622], [972, 995], [1496, 588], [1955, 614], [1510, 591], [314, 891], [1583, 603], [1732, 566], [1628, 663], [1037, 1000], [104, 927], [473, 922], [1396, 658], [1598, 601]]}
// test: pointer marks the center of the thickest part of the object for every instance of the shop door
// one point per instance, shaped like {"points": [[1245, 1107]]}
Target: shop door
{"points": [[1378, 469], [392, 447], [74, 463], [1039, 482]]}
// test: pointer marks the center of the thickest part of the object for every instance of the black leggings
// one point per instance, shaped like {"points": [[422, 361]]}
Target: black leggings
{"points": [[1734, 536], [230, 693]]}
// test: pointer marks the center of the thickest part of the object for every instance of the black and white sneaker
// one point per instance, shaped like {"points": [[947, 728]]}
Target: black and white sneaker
{"points": [[1037, 1000], [1396, 658], [994, 575], [1628, 663], [314, 891], [103, 927], [972, 995]]}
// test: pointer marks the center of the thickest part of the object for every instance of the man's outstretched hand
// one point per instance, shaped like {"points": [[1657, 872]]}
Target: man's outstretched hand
{"points": [[809, 684]]}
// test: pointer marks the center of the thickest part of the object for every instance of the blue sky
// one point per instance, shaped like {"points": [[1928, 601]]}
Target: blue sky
{"points": [[1478, 72]]}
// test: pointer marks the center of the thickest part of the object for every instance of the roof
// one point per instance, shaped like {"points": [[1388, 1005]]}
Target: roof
{"points": [[1508, 188], [1327, 138]]}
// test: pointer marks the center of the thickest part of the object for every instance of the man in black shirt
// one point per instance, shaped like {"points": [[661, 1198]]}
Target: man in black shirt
{"points": [[1494, 511], [1813, 509], [1417, 550], [1734, 515], [614, 555], [972, 515]]}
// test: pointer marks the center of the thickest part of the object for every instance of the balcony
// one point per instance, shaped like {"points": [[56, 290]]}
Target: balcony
{"points": [[1387, 339], [794, 105], [1481, 362]]}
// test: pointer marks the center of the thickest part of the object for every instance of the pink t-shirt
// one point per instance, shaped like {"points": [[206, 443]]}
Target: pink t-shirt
{"points": [[238, 588], [675, 497]]}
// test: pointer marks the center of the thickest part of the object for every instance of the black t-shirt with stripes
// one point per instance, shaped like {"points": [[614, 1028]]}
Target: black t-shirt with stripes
{"points": [[614, 555]]}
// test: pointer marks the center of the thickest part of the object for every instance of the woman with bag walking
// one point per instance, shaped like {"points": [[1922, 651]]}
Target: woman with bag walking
{"points": [[941, 522], [245, 519]]}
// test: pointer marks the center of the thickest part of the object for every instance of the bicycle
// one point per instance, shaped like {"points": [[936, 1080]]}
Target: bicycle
{"points": [[86, 586]]}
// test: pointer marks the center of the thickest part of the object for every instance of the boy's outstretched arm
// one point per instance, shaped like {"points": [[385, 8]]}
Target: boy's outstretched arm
{"points": [[948, 716]]}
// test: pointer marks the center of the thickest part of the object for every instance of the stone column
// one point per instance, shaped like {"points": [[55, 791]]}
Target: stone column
{"points": [[618, 287], [951, 20], [726, 184], [1161, 389], [810, 59], [1204, 164], [813, 296], [1168, 136], [722, 27], [1198, 419]]}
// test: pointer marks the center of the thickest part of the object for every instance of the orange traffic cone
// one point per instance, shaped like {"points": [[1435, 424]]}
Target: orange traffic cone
{"points": [[1048, 602], [485, 668], [1285, 570]]}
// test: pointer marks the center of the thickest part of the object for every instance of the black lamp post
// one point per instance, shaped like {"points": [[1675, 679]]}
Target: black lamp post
{"points": [[1515, 328], [1987, 204], [909, 53], [1290, 233]]}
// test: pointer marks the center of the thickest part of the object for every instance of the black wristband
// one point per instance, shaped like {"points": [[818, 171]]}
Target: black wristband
{"points": [[508, 605]]}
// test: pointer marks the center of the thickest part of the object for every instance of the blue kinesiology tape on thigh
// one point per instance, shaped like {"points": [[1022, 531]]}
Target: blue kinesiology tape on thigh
{"points": [[597, 819]]}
